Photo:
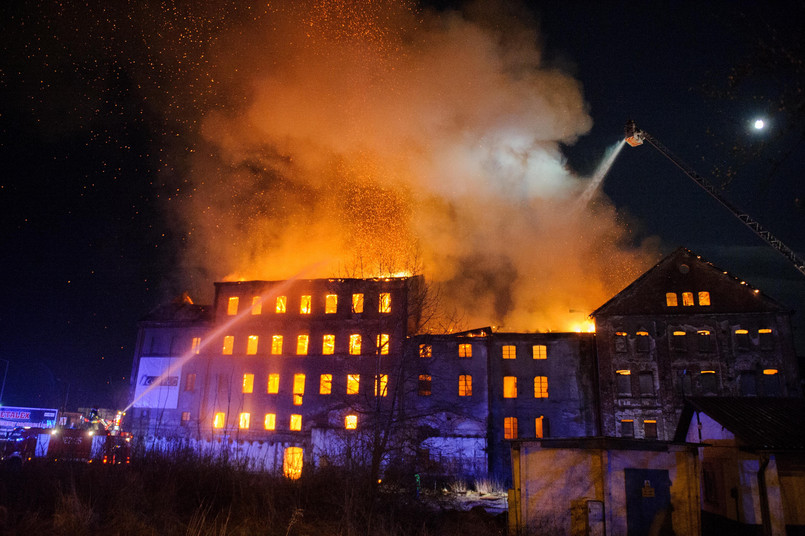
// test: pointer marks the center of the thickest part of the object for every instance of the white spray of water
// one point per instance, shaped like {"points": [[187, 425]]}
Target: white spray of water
{"points": [[600, 173], [176, 365]]}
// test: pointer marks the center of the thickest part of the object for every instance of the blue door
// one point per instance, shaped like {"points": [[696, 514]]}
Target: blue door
{"points": [[648, 502]]}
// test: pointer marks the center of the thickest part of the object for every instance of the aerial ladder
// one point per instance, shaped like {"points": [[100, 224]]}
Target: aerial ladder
{"points": [[635, 136]]}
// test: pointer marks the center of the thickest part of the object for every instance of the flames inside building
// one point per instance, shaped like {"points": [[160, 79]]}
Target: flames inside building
{"points": [[282, 374]]}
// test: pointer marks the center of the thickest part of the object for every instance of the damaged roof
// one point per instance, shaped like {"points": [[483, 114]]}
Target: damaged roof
{"points": [[757, 423], [181, 309]]}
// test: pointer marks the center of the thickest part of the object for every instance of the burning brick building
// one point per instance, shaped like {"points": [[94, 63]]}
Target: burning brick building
{"points": [[274, 365], [316, 370]]}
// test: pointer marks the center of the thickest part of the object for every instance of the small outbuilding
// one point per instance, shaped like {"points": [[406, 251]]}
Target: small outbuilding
{"points": [[753, 463], [604, 486]]}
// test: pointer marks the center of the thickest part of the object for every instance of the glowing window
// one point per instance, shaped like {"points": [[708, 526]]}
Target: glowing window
{"points": [[424, 385], [354, 344], [742, 339], [257, 305], [243, 421], [270, 421], [301, 344], [251, 345], [627, 428], [351, 422], [671, 299], [273, 384], [190, 382], [464, 385], [540, 387], [328, 345], [678, 341], [185, 418], [219, 420], [357, 303], [620, 341], [650, 429], [297, 400], [465, 350], [687, 299], [770, 372], [425, 350], [704, 298], [248, 383], [232, 306], [765, 339], [296, 422], [510, 428], [624, 382], [298, 384], [292, 461], [325, 384], [195, 346], [539, 351], [229, 344], [538, 427], [331, 303], [353, 384], [383, 343], [281, 304], [304, 304], [381, 384], [509, 386], [385, 302], [643, 341], [276, 345], [509, 351], [704, 340]]}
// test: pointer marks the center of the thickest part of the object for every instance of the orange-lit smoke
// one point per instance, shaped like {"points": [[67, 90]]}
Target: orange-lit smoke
{"points": [[374, 138]]}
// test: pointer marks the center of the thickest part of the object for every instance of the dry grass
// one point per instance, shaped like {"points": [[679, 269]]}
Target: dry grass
{"points": [[191, 497]]}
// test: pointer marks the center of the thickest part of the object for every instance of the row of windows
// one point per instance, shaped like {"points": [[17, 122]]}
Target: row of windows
{"points": [[306, 304], [353, 382], [689, 383], [703, 337], [425, 385], [672, 299], [705, 382], [508, 351], [624, 383], [511, 428], [649, 428], [269, 421], [510, 387], [354, 345]]}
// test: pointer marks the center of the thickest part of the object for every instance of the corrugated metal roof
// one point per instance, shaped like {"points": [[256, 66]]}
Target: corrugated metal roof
{"points": [[757, 423]]}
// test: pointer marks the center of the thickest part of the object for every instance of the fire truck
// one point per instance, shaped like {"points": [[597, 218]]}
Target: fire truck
{"points": [[96, 441]]}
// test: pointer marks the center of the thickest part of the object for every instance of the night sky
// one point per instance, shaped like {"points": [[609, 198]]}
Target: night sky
{"points": [[101, 105]]}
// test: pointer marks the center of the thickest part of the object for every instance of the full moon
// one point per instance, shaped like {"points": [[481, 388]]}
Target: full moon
{"points": [[759, 124]]}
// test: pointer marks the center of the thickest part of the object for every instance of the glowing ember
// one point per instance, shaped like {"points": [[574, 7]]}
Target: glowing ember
{"points": [[381, 140]]}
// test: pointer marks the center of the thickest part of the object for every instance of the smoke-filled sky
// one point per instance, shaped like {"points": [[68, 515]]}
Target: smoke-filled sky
{"points": [[377, 139], [156, 147]]}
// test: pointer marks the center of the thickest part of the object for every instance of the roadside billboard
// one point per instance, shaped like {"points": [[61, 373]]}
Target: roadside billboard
{"points": [[12, 417]]}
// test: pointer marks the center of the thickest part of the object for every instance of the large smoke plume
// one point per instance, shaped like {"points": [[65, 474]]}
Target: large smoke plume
{"points": [[367, 139]]}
